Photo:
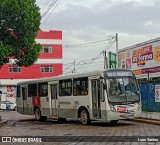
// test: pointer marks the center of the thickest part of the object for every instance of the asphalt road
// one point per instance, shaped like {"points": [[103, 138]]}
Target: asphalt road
{"points": [[72, 132]]}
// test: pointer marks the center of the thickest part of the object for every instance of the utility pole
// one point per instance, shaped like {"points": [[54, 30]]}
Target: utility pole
{"points": [[117, 47], [74, 70], [105, 60]]}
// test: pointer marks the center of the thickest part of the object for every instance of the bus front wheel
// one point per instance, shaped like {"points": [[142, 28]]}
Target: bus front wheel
{"points": [[84, 117]]}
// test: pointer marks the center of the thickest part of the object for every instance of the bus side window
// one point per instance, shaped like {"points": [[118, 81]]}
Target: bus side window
{"points": [[43, 89], [80, 86], [32, 90], [65, 87]]}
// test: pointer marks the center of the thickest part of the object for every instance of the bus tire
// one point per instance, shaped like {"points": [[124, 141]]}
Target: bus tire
{"points": [[84, 118], [114, 122], [37, 113], [38, 116]]}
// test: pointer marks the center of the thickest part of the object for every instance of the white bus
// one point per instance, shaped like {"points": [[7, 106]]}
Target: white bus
{"points": [[108, 95]]}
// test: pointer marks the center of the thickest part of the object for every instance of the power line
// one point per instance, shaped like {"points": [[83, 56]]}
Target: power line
{"points": [[44, 5], [50, 13], [50, 6], [91, 65], [78, 63], [68, 46], [98, 56], [108, 47], [89, 60], [90, 43], [89, 68]]}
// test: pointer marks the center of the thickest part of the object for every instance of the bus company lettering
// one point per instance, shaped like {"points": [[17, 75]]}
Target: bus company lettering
{"points": [[64, 103], [76, 102]]}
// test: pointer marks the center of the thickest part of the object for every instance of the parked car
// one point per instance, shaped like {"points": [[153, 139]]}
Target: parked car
{"points": [[7, 105]]}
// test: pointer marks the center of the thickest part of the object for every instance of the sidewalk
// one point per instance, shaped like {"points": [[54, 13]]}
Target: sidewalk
{"points": [[146, 120]]}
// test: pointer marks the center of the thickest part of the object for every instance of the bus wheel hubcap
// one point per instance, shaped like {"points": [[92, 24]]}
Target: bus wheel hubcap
{"points": [[37, 114], [84, 117]]}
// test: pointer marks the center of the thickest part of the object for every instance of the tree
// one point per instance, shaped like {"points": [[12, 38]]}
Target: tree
{"points": [[19, 23]]}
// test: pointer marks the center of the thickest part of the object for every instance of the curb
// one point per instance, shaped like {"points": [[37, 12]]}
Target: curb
{"points": [[3, 121], [156, 122]]}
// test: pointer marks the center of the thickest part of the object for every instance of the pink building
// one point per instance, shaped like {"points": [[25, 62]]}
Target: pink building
{"points": [[48, 64]]}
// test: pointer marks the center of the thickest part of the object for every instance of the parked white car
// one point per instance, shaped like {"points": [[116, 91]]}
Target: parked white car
{"points": [[7, 105]]}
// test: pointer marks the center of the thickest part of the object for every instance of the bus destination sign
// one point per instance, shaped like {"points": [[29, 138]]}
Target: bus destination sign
{"points": [[119, 73]]}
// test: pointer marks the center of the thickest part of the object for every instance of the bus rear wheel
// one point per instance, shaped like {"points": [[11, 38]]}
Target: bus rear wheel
{"points": [[38, 116], [84, 118]]}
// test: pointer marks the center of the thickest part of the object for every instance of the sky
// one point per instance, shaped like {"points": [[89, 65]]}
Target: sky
{"points": [[87, 21]]}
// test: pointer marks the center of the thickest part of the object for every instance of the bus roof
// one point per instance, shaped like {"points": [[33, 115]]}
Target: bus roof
{"points": [[76, 75]]}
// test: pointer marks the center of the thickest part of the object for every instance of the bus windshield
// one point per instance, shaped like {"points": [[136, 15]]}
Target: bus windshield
{"points": [[123, 90]]}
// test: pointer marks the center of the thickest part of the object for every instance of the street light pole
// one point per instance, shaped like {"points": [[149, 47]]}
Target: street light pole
{"points": [[74, 69], [105, 60], [117, 47]]}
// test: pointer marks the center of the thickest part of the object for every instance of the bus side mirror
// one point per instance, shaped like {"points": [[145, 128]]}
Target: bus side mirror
{"points": [[102, 91], [104, 86]]}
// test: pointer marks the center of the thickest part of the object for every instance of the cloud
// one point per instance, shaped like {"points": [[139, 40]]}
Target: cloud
{"points": [[91, 20], [127, 17]]}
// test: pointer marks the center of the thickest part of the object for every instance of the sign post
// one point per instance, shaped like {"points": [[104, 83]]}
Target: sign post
{"points": [[112, 60], [157, 93]]}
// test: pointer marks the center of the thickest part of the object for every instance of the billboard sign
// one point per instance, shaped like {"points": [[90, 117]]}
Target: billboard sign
{"points": [[142, 60]]}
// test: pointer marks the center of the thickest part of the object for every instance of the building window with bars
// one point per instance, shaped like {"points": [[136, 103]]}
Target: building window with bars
{"points": [[14, 68], [46, 49], [46, 68]]}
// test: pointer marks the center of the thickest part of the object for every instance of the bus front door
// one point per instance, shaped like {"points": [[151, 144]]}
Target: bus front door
{"points": [[96, 104], [54, 106]]}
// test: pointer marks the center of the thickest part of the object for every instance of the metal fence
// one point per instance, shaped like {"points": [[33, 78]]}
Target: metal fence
{"points": [[147, 90]]}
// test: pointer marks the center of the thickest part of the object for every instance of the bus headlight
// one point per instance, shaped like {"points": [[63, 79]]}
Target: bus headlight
{"points": [[112, 108]]}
